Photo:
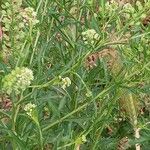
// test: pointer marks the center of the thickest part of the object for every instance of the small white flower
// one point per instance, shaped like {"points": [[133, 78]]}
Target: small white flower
{"points": [[90, 36], [139, 5], [96, 36], [89, 93], [66, 82], [128, 8], [92, 42], [29, 108], [29, 16], [95, 15], [86, 42]]}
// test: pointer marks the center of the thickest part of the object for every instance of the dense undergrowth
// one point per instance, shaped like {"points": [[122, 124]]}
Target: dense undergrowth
{"points": [[74, 75]]}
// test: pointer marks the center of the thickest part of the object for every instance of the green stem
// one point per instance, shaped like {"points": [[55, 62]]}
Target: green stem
{"points": [[16, 108], [40, 136], [14, 117], [77, 110], [34, 47]]}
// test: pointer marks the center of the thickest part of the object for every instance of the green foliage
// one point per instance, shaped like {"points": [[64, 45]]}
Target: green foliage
{"points": [[67, 106]]}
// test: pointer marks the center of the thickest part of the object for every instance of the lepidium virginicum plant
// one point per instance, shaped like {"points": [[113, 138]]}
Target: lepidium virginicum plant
{"points": [[17, 26], [74, 75]]}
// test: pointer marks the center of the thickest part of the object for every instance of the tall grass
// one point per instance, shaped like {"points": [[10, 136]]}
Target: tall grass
{"points": [[87, 93]]}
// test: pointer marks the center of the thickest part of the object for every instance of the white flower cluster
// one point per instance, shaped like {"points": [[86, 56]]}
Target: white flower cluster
{"points": [[84, 138], [18, 80], [65, 82], [135, 14], [89, 93], [11, 26], [29, 108], [14, 21], [29, 16], [129, 11], [111, 5], [90, 36]]}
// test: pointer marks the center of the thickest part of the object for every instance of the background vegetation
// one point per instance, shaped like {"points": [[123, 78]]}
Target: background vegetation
{"points": [[74, 75]]}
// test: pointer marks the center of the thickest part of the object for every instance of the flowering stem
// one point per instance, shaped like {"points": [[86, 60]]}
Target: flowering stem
{"points": [[34, 47], [14, 116], [16, 108]]}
